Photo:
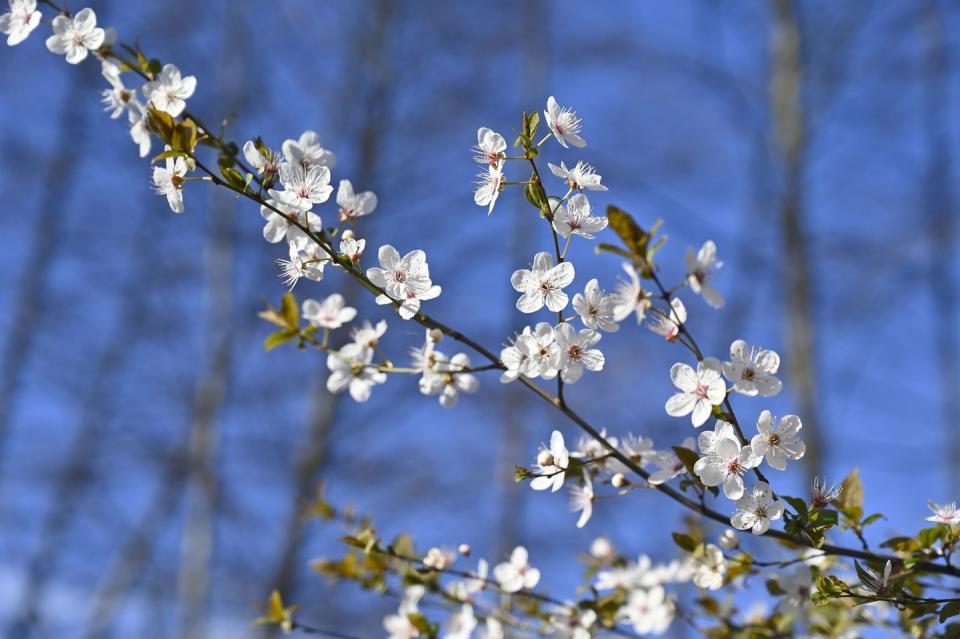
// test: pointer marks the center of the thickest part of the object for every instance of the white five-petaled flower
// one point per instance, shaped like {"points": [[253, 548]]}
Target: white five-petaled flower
{"points": [[399, 626], [170, 91], [353, 205], [117, 98], [575, 352], [668, 464], [76, 36], [331, 313], [367, 334], [710, 568], [701, 269], [490, 147], [307, 151], [406, 279], [707, 440], [631, 297], [595, 308], [278, 227], [302, 188], [752, 370], [489, 185], [445, 378], [168, 181], [581, 500], [552, 463], [516, 357], [564, 124], [543, 284], [581, 176], [944, 513], [541, 351], [350, 369], [667, 323], [352, 247], [725, 463], [516, 574], [17, 23], [778, 444], [700, 390], [266, 161], [305, 261], [649, 611], [756, 509], [139, 131], [575, 218]]}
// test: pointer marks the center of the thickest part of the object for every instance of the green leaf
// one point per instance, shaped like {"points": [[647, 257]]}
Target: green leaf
{"points": [[172, 153], [290, 310], [628, 230], [610, 248], [850, 501], [950, 609], [872, 518], [686, 456], [929, 536], [233, 178], [773, 587], [280, 337], [532, 194], [520, 473], [799, 505], [686, 542]]}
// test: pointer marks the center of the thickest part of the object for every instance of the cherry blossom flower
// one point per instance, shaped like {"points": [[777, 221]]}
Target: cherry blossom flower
{"points": [[543, 284], [631, 297], [667, 323], [638, 450], [778, 444], [331, 313], [489, 185], [305, 261], [823, 494], [490, 147], [552, 464], [873, 581], [352, 247], [139, 130], [20, 21], [581, 500], [438, 559], [710, 568], [756, 509], [701, 390], [168, 181], [169, 92], [517, 574], [944, 513], [701, 270], [564, 124], [669, 465], [707, 440], [399, 626], [752, 370], [350, 369], [595, 308], [76, 36], [542, 350], [649, 611], [307, 152], [725, 464], [797, 587], [406, 279], [576, 352], [575, 218], [493, 629], [279, 228], [445, 380], [302, 188], [117, 98], [592, 448], [516, 357], [367, 334], [461, 623], [353, 205], [265, 161], [581, 176], [570, 622], [728, 540]]}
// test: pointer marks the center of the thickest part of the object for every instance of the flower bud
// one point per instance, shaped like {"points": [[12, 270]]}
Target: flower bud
{"points": [[464, 549], [348, 234], [545, 458], [729, 540], [619, 481], [601, 548], [436, 335]]}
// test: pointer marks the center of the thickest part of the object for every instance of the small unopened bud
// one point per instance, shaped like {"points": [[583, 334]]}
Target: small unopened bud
{"points": [[436, 335], [601, 548], [464, 550], [545, 458], [619, 481], [348, 234], [728, 540]]}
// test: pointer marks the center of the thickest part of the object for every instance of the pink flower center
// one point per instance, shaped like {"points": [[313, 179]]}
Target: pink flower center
{"points": [[734, 467], [701, 391]]}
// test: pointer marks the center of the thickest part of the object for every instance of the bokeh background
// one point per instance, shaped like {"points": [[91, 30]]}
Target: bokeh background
{"points": [[153, 458]]}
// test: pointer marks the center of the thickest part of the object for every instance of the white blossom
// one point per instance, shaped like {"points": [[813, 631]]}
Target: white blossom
{"points": [[576, 219], [667, 323], [543, 284], [353, 205], [307, 151], [752, 370], [169, 92], [570, 622], [302, 188], [20, 21], [490, 147], [331, 313], [489, 185], [139, 130], [305, 261], [710, 568], [638, 450], [778, 444], [725, 464], [581, 176], [649, 611], [581, 500], [944, 513], [399, 626], [595, 308], [445, 379], [367, 334], [576, 352], [564, 124], [668, 464], [517, 574], [756, 509], [266, 161], [701, 269], [552, 464], [438, 559], [168, 181], [728, 539], [117, 98], [352, 247], [406, 279], [630, 297], [76, 36], [461, 623], [797, 587], [350, 369], [279, 228], [700, 390]]}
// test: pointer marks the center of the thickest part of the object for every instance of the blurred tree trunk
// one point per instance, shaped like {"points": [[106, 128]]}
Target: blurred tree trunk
{"points": [[786, 95], [941, 226]]}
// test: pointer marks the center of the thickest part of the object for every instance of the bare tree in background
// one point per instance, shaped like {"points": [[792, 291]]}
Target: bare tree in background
{"points": [[786, 96]]}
